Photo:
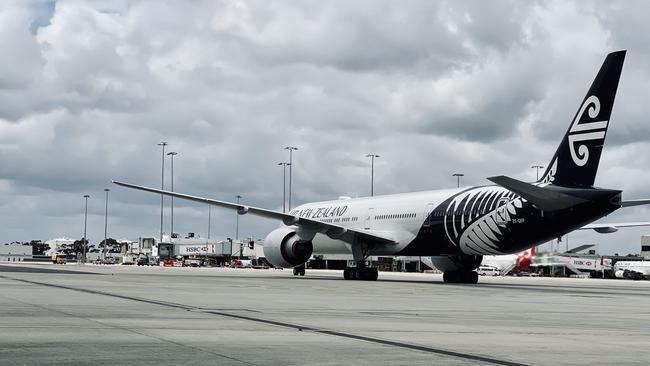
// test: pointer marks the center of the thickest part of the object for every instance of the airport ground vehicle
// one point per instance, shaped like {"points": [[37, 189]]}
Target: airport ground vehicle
{"points": [[192, 262], [242, 263], [488, 271], [457, 227], [128, 259], [59, 258]]}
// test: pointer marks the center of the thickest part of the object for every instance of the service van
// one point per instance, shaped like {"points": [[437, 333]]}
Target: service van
{"points": [[488, 271]]}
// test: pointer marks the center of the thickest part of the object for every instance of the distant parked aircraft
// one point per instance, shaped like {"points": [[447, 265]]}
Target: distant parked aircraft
{"points": [[634, 270], [510, 262]]}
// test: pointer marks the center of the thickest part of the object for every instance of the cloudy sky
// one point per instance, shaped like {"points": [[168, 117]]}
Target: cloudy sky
{"points": [[88, 89]]}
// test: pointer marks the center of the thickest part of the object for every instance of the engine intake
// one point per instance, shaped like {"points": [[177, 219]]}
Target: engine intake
{"points": [[284, 248]]}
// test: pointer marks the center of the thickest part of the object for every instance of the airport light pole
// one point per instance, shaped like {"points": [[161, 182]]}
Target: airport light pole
{"points": [[291, 149], [538, 167], [162, 187], [171, 233], [208, 241], [84, 241], [284, 186], [458, 175], [105, 225], [237, 222], [372, 172]]}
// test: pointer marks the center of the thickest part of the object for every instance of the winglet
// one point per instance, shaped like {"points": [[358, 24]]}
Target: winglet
{"points": [[543, 198]]}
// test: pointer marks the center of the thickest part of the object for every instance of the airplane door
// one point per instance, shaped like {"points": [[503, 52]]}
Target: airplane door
{"points": [[428, 210], [368, 223], [502, 211]]}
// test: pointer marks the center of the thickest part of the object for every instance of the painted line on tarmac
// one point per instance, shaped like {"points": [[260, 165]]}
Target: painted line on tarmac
{"points": [[439, 351], [97, 292]]}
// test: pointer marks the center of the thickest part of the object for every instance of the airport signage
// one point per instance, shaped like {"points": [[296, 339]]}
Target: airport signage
{"points": [[195, 249], [202, 249], [589, 263]]}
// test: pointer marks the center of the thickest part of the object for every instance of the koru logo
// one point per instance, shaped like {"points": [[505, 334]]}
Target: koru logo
{"points": [[584, 131]]}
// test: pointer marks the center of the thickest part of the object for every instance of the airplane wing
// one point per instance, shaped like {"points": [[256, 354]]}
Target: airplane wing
{"points": [[333, 231], [606, 228], [635, 203], [580, 248]]}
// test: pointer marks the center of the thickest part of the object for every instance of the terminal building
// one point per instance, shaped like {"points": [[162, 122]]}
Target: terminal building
{"points": [[585, 262], [15, 253], [645, 247]]}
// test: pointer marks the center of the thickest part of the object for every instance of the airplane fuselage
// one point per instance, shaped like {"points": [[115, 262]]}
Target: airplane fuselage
{"points": [[485, 220]]}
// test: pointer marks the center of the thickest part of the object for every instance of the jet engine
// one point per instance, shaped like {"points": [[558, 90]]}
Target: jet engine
{"points": [[284, 248], [628, 274], [620, 273]]}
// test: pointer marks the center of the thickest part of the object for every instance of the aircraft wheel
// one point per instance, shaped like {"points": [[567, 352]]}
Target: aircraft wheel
{"points": [[450, 277], [472, 277], [460, 277], [363, 273], [296, 271], [301, 272], [370, 274]]}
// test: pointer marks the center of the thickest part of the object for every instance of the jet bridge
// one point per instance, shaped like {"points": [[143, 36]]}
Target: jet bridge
{"points": [[567, 265]]}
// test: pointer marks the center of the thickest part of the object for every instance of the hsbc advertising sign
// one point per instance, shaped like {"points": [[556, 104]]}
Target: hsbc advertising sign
{"points": [[202, 249], [590, 263]]}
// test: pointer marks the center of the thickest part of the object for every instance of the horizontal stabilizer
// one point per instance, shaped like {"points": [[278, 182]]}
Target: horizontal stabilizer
{"points": [[635, 203], [607, 228], [543, 198]]}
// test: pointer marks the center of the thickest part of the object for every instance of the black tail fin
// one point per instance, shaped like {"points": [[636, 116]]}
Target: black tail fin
{"points": [[576, 160]]}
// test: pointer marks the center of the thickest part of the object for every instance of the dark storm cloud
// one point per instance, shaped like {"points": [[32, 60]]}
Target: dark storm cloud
{"points": [[89, 88]]}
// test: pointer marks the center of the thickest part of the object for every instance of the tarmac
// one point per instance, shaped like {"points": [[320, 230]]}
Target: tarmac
{"points": [[107, 315]]}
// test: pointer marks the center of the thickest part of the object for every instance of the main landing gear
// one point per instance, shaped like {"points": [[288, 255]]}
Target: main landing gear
{"points": [[299, 271], [458, 268], [360, 273], [460, 277]]}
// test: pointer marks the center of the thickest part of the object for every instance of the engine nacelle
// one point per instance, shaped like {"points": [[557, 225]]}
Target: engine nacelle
{"points": [[284, 248]]}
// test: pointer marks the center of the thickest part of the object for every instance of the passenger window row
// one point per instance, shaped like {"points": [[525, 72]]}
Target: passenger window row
{"points": [[396, 216], [343, 219]]}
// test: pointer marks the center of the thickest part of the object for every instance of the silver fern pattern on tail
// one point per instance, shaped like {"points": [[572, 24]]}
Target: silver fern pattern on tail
{"points": [[475, 220], [550, 174]]}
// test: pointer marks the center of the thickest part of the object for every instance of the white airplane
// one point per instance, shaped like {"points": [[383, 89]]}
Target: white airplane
{"points": [[456, 227], [508, 262], [635, 270]]}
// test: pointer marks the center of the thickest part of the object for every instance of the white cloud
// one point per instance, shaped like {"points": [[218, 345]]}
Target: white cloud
{"points": [[89, 88]]}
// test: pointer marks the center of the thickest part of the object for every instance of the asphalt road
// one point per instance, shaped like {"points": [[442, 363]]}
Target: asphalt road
{"points": [[106, 315]]}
